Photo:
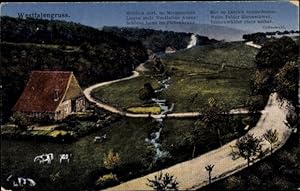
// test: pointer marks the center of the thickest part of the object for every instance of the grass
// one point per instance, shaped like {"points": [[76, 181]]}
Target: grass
{"points": [[277, 172], [126, 137], [153, 109], [124, 94], [192, 83], [190, 93], [176, 134], [221, 71], [40, 132], [55, 133], [233, 54]]}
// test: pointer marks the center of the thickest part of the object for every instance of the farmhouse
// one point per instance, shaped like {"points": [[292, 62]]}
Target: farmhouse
{"points": [[51, 95], [170, 50]]}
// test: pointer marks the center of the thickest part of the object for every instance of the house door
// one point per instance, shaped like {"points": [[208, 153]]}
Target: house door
{"points": [[73, 105]]}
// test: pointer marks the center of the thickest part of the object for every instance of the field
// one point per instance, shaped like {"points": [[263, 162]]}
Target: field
{"points": [[127, 137], [124, 94], [193, 81], [221, 71]]}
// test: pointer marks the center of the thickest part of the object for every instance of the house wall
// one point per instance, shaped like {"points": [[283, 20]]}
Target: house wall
{"points": [[73, 90], [63, 110], [37, 116], [80, 104]]}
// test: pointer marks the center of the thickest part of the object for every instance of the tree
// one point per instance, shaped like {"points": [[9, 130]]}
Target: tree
{"points": [[247, 147], [194, 135], [20, 119], [264, 82], [274, 54], [209, 168], [147, 92], [111, 160], [214, 116], [255, 103], [276, 68], [163, 182], [292, 122], [272, 137], [287, 81]]}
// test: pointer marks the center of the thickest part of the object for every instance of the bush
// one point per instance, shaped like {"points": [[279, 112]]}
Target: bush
{"points": [[234, 183], [107, 180], [111, 160], [265, 170], [21, 120], [163, 182]]}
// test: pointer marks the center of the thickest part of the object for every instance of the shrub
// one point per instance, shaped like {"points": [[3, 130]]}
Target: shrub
{"points": [[163, 182], [111, 160], [21, 120], [234, 183], [107, 180]]}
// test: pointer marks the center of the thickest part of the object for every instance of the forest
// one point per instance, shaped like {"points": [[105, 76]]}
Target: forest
{"points": [[157, 41], [31, 44]]}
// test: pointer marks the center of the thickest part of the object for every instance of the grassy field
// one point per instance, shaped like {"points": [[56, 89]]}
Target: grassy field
{"points": [[126, 137], [124, 94], [222, 71], [175, 137], [234, 54], [192, 86]]}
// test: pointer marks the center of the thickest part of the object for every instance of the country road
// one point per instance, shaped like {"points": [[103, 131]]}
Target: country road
{"points": [[87, 92], [192, 174]]}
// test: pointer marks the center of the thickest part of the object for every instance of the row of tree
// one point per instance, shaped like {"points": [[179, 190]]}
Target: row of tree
{"points": [[261, 37], [157, 40]]}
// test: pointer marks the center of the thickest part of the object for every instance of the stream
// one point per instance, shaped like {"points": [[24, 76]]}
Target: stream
{"points": [[154, 137]]}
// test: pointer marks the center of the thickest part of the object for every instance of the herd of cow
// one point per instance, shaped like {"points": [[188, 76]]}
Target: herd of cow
{"points": [[19, 182], [47, 158]]}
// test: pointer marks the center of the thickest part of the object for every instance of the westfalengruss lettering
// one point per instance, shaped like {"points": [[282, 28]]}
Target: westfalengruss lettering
{"points": [[36, 15]]}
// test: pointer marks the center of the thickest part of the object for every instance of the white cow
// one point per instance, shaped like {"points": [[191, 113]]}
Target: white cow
{"points": [[44, 158], [21, 182], [100, 138], [65, 157]]}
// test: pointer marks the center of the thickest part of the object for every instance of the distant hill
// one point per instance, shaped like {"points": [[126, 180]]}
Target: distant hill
{"points": [[93, 55], [229, 54], [158, 40], [211, 31]]}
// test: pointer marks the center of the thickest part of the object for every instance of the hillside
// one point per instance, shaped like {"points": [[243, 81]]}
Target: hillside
{"points": [[157, 40], [222, 71], [93, 55], [211, 31], [234, 54]]}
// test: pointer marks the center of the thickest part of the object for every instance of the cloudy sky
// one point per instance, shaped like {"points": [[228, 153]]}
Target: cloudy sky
{"points": [[284, 14]]}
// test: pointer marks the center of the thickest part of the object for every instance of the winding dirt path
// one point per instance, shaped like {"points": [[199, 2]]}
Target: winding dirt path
{"points": [[87, 92], [192, 174]]}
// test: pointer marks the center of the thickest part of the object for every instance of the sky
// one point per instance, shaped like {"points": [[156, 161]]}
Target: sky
{"points": [[285, 14]]}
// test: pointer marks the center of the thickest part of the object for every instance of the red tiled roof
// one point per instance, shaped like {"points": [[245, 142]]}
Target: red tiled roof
{"points": [[39, 93]]}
